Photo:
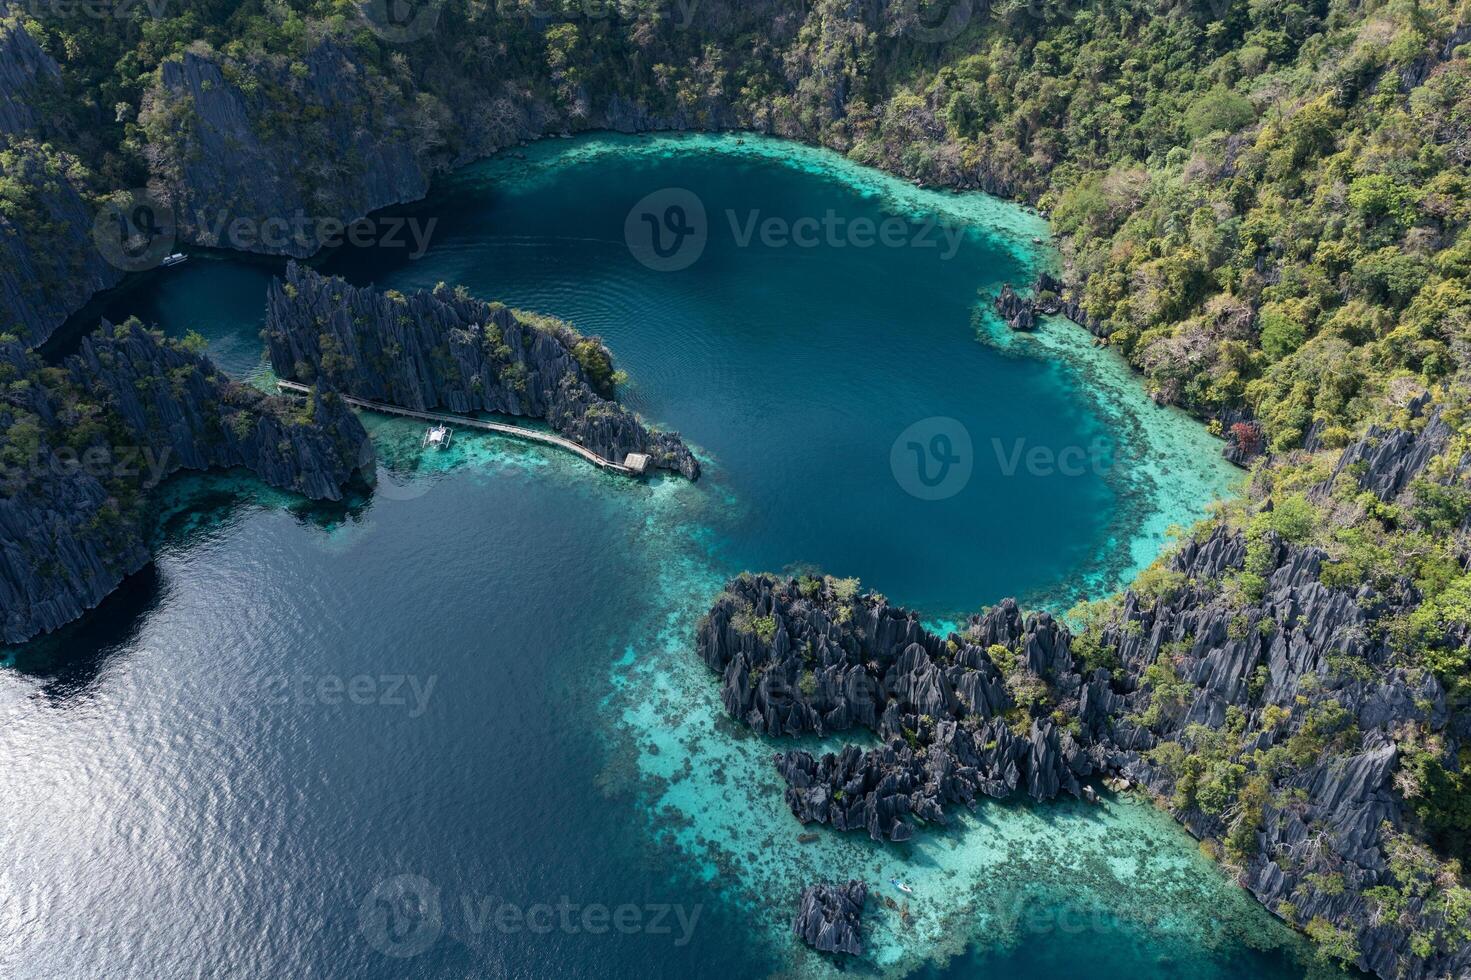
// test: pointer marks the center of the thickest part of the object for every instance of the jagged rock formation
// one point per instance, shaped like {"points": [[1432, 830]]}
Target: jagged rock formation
{"points": [[829, 918], [1052, 297], [1385, 461], [49, 265], [330, 136], [885, 791], [1273, 726], [82, 451], [1049, 297], [24, 68], [810, 656], [447, 350], [1018, 313], [221, 167], [1304, 668], [170, 399]]}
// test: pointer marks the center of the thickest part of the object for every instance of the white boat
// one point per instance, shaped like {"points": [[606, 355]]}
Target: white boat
{"points": [[901, 886], [438, 437], [178, 258]]}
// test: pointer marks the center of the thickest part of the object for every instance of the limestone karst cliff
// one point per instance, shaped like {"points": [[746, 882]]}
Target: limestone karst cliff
{"points": [[447, 350], [84, 445]]}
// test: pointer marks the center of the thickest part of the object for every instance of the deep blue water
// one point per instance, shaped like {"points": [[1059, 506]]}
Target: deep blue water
{"points": [[246, 758]]}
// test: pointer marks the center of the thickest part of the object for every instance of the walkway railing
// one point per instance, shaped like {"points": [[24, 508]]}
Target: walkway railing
{"points": [[534, 435]]}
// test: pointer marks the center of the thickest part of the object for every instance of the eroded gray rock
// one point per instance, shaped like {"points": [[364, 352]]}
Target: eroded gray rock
{"points": [[448, 351], [830, 917]]}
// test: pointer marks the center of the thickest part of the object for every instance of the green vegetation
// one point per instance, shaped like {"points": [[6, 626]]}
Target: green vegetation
{"points": [[763, 627], [1266, 205]]}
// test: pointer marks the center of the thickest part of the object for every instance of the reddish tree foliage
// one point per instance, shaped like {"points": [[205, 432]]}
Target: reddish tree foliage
{"points": [[1248, 437]]}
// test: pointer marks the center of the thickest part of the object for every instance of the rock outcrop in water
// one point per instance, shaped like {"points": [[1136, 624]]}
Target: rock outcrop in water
{"points": [[830, 917], [1277, 727], [1018, 313], [1049, 297], [83, 447], [814, 656], [447, 350]]}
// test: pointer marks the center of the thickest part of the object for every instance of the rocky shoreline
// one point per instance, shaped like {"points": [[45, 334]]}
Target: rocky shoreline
{"points": [[447, 350], [220, 156], [220, 151], [86, 445], [1293, 700]]}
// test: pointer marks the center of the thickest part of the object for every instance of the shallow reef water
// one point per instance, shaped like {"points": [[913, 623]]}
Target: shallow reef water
{"points": [[534, 725]]}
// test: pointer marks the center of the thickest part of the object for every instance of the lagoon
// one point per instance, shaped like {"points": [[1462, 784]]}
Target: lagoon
{"points": [[197, 789]]}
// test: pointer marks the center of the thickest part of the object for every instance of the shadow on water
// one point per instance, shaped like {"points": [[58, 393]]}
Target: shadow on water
{"points": [[192, 505], [69, 661], [189, 507]]}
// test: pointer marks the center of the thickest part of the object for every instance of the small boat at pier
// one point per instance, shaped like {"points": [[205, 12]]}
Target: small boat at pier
{"points": [[438, 437]]}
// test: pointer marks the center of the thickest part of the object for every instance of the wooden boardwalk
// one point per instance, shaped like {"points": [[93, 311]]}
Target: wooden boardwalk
{"points": [[534, 435]]}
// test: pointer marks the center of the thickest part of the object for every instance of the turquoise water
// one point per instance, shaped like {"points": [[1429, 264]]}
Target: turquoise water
{"points": [[551, 735]]}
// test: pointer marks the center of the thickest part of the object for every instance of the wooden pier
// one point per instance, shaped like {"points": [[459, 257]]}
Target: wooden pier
{"points": [[534, 435]]}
